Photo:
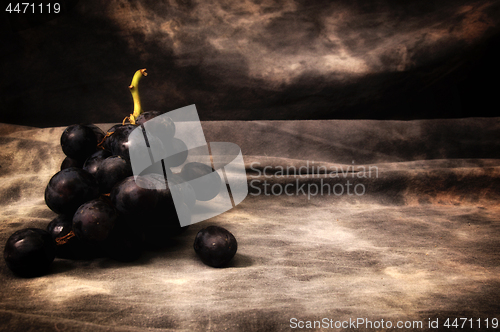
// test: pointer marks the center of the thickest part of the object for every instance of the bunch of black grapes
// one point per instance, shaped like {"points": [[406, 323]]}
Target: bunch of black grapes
{"points": [[103, 210]]}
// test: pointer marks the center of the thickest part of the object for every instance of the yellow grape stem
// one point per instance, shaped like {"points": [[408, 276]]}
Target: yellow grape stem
{"points": [[134, 90]]}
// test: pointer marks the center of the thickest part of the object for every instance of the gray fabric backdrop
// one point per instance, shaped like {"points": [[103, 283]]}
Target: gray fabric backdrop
{"points": [[421, 243]]}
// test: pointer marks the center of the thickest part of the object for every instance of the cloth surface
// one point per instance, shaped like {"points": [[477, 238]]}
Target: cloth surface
{"points": [[421, 242]]}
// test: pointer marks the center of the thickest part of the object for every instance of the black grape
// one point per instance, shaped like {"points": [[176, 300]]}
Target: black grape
{"points": [[204, 180], [94, 220], [162, 222], [186, 190], [113, 128], [178, 153], [99, 134], [163, 225], [93, 162], [79, 141], [166, 210], [59, 227], [158, 183], [108, 140], [73, 248], [130, 197], [145, 116], [111, 171], [29, 252], [70, 188], [118, 141], [215, 246], [163, 127], [70, 162]]}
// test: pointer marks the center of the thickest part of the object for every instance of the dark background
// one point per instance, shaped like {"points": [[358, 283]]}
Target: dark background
{"points": [[246, 60]]}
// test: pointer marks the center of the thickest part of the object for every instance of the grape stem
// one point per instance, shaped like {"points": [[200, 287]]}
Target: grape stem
{"points": [[134, 90], [64, 239]]}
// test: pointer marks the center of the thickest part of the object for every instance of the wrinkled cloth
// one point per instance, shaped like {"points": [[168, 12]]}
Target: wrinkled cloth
{"points": [[420, 242]]}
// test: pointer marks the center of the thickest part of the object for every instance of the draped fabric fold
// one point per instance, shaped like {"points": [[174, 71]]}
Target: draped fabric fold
{"points": [[342, 216]]}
